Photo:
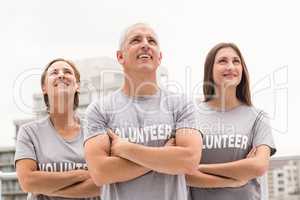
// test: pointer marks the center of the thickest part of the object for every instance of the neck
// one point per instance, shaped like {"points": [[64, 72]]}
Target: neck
{"points": [[225, 99], [63, 119], [137, 84]]}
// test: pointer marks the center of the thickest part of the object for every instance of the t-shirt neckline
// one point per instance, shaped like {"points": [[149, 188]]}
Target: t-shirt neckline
{"points": [[78, 135], [141, 98]]}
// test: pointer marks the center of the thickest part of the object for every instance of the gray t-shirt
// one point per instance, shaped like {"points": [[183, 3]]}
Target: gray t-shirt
{"points": [[39, 141], [229, 136], [150, 121]]}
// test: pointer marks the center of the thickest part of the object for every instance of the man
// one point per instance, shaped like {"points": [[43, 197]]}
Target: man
{"points": [[125, 144]]}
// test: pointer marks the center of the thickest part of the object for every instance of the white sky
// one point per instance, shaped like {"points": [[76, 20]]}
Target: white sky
{"points": [[33, 32]]}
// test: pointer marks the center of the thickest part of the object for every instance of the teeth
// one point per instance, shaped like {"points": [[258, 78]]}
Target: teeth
{"points": [[144, 56], [61, 83]]}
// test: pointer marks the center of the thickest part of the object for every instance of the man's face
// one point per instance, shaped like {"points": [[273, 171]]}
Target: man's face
{"points": [[140, 51]]}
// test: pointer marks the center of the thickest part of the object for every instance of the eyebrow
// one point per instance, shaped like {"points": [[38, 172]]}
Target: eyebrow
{"points": [[139, 35], [235, 57], [64, 68], [153, 38], [134, 36]]}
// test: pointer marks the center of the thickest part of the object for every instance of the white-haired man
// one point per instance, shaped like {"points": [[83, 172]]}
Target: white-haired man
{"points": [[127, 145]]}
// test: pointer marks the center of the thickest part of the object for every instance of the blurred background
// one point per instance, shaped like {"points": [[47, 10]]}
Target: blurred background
{"points": [[34, 32]]}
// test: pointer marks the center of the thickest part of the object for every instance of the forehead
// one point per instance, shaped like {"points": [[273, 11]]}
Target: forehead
{"points": [[140, 31], [60, 65], [226, 52]]}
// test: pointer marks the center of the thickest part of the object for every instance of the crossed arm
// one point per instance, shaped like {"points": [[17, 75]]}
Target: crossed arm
{"points": [[232, 174], [105, 169], [122, 160], [70, 184]]}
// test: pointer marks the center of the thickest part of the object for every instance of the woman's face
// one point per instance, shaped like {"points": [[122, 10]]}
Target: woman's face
{"points": [[227, 69], [60, 81]]}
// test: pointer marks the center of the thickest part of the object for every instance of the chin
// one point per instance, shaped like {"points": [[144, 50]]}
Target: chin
{"points": [[231, 83], [147, 68], [64, 93]]}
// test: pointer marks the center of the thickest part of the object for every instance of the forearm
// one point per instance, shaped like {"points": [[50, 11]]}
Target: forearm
{"points": [[166, 159], [202, 180], [245, 169], [48, 182], [111, 169], [83, 189]]}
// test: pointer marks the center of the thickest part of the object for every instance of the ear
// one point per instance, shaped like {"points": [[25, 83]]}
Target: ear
{"points": [[44, 89], [77, 86], [120, 57], [160, 57]]}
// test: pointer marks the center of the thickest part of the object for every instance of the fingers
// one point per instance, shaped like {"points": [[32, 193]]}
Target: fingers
{"points": [[251, 153], [242, 183], [111, 134], [170, 142]]}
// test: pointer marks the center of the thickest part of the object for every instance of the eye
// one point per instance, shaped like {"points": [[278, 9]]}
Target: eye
{"points": [[152, 41], [67, 71], [222, 61], [53, 72], [134, 41], [236, 61]]}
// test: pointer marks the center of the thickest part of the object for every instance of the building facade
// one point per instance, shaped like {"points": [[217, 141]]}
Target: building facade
{"points": [[10, 188], [284, 178]]}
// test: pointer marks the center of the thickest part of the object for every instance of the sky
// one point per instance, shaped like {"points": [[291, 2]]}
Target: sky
{"points": [[34, 32]]}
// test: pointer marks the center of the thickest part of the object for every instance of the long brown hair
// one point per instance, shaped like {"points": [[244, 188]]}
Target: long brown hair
{"points": [[243, 89], [77, 76]]}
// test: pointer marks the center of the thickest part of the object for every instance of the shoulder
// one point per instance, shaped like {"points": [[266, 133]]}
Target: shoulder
{"points": [[33, 127], [104, 102], [35, 124], [255, 111], [167, 93], [175, 99]]}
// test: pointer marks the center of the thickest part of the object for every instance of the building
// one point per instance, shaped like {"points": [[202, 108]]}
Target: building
{"points": [[10, 188], [284, 178], [99, 76]]}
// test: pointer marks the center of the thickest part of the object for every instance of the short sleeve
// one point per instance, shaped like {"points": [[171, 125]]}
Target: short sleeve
{"points": [[95, 122], [186, 114], [24, 145], [263, 133]]}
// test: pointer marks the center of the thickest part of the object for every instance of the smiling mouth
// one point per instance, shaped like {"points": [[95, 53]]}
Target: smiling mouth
{"points": [[144, 56], [229, 75], [61, 83]]}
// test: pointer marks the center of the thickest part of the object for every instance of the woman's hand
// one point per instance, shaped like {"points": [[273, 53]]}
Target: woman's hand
{"points": [[171, 142]]}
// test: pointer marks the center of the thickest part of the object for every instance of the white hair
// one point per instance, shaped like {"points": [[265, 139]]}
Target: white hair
{"points": [[128, 29]]}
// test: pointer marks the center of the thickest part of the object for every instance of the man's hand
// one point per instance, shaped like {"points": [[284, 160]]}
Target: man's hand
{"points": [[117, 143]]}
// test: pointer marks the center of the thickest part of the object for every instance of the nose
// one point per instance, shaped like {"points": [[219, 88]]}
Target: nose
{"points": [[145, 44], [60, 74], [230, 65]]}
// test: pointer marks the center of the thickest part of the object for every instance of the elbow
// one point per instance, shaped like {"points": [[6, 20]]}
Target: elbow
{"points": [[25, 183], [97, 178], [261, 169], [97, 182], [100, 176], [25, 188]]}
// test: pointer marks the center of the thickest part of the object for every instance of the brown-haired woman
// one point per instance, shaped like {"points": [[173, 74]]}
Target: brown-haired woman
{"points": [[237, 138], [49, 152]]}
